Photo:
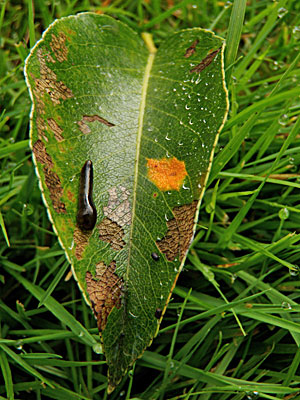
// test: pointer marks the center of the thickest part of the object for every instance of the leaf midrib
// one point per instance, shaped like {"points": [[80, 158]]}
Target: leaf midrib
{"points": [[152, 52]]}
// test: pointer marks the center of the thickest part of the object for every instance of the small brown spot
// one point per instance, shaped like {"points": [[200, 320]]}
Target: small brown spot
{"points": [[104, 291], [111, 232], [59, 47], [166, 174], [155, 194], [205, 62], [92, 118], [52, 180], [191, 50], [81, 239], [71, 196], [50, 58], [57, 130], [180, 232]]}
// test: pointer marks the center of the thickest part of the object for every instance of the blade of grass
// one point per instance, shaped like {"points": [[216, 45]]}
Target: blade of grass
{"points": [[58, 310], [234, 33], [24, 365], [7, 376]]}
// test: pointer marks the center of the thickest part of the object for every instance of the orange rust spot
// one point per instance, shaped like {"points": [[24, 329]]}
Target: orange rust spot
{"points": [[166, 174], [104, 289]]}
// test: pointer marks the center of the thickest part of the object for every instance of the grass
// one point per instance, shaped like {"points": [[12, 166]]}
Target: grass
{"points": [[242, 273]]}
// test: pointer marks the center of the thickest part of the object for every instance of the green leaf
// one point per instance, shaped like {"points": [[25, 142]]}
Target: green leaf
{"points": [[135, 129]]}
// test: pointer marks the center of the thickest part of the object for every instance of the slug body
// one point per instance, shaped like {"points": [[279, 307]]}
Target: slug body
{"points": [[87, 214]]}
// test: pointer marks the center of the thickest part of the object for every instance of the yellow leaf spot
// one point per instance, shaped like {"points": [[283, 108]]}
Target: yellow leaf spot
{"points": [[166, 174]]}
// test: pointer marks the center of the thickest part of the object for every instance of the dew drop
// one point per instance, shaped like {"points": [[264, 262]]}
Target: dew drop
{"points": [[283, 119], [295, 271], [187, 107], [286, 306], [282, 12], [97, 348], [296, 32], [283, 214]]}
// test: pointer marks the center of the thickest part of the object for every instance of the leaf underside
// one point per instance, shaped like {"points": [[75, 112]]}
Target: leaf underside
{"points": [[149, 122]]}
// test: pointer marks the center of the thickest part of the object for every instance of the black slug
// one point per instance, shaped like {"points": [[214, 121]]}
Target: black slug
{"points": [[87, 214]]}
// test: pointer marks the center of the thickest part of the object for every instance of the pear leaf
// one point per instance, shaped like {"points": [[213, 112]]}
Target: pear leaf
{"points": [[123, 137]]}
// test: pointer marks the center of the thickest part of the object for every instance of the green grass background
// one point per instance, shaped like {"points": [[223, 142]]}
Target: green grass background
{"points": [[232, 329]]}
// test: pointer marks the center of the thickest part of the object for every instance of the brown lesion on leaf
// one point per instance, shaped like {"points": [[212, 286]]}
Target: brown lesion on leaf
{"points": [[81, 240], [56, 191], [41, 128], [117, 215], [205, 62], [180, 232], [112, 233], [118, 206], [41, 154], [57, 130], [47, 83], [104, 290], [92, 118], [52, 180], [58, 46], [191, 50], [50, 58]]}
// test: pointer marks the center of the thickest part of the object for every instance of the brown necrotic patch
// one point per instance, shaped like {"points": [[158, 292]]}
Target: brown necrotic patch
{"points": [[191, 50], [58, 46], [112, 233], [118, 207], [104, 290], [56, 129], [41, 154], [47, 83], [81, 240], [92, 118], [52, 180], [205, 62], [41, 128], [180, 232]]}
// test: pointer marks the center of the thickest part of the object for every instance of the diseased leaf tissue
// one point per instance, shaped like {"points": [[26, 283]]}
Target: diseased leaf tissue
{"points": [[122, 139]]}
